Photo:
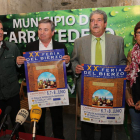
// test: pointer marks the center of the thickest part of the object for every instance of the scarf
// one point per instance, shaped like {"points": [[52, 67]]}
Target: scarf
{"points": [[134, 65]]}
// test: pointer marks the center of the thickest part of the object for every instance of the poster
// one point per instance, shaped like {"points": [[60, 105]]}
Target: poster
{"points": [[46, 78], [103, 94]]}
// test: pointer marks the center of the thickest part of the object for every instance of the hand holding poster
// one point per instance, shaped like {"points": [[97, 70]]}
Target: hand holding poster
{"points": [[46, 78], [103, 94]]}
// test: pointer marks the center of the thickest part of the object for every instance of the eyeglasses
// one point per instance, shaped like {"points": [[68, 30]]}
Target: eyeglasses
{"points": [[137, 33]]}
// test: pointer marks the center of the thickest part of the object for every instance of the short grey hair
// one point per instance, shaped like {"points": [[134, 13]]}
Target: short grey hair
{"points": [[99, 12], [48, 21]]}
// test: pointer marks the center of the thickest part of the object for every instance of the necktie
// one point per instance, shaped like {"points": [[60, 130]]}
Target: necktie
{"points": [[98, 53]]}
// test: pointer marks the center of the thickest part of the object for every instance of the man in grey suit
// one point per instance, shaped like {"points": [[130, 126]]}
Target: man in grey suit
{"points": [[112, 51]]}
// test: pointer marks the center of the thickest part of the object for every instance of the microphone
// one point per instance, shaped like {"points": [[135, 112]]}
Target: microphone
{"points": [[35, 115], [20, 119], [0, 111], [7, 111]]}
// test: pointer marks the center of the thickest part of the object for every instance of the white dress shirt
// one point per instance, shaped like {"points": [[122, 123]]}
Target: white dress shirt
{"points": [[49, 47], [42, 47]]}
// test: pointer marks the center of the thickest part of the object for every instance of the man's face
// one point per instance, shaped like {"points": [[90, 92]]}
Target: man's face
{"points": [[1, 32], [137, 36], [97, 25], [44, 32]]}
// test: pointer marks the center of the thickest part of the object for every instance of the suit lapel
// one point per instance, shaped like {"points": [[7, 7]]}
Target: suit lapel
{"points": [[36, 45], [108, 48], [86, 46], [53, 44]]}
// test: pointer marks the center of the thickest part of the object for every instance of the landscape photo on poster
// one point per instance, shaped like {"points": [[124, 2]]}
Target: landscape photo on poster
{"points": [[46, 80], [102, 97]]}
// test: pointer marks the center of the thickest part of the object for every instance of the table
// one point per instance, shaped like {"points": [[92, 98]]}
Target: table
{"points": [[26, 136]]}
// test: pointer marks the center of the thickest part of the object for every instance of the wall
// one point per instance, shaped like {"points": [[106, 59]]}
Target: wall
{"points": [[26, 6]]}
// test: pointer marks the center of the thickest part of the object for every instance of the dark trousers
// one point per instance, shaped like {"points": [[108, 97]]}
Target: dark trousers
{"points": [[88, 131], [57, 122], [14, 102]]}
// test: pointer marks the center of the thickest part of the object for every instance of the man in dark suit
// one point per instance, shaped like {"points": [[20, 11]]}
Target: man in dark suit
{"points": [[46, 30], [84, 52]]}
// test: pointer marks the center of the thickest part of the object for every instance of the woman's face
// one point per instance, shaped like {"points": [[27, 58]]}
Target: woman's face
{"points": [[137, 36]]}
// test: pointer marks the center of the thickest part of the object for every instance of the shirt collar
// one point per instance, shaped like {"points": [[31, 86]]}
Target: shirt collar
{"points": [[40, 43], [1, 43], [102, 37]]}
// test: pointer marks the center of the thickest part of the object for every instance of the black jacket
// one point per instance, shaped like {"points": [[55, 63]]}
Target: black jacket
{"points": [[34, 46]]}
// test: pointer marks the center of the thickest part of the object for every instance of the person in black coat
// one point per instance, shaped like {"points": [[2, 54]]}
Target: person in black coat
{"points": [[46, 31]]}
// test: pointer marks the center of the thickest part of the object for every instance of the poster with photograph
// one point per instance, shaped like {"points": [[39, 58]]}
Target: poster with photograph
{"points": [[103, 94], [46, 78]]}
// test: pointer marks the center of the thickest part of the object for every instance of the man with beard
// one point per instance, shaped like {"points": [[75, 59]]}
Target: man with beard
{"points": [[46, 29], [98, 48]]}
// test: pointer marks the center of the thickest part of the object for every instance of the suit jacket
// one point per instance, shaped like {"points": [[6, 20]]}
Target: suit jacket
{"points": [[114, 53], [34, 46]]}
